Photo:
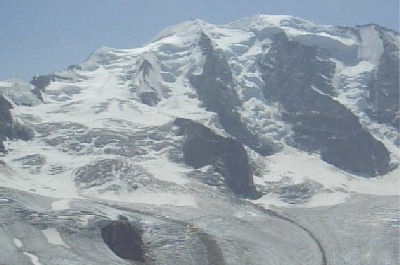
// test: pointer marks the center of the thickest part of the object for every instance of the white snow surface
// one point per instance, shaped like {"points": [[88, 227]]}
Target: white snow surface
{"points": [[18, 91], [61, 204], [163, 169], [299, 166], [151, 198], [360, 68], [60, 186], [54, 237], [34, 258], [371, 47], [18, 243]]}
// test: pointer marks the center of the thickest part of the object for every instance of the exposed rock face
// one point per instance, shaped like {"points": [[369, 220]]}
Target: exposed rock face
{"points": [[384, 87], [8, 128], [41, 82], [299, 78], [124, 239], [148, 95], [149, 98], [228, 157], [146, 80], [74, 67], [5, 121], [215, 88]]}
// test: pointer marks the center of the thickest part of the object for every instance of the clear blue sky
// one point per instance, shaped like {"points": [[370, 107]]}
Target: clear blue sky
{"points": [[43, 36]]}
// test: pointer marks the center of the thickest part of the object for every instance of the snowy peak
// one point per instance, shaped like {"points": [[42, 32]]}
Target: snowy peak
{"points": [[262, 21], [190, 27], [272, 87]]}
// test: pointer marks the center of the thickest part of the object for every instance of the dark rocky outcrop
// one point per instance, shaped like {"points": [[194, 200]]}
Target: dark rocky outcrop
{"points": [[149, 98], [40, 82], [74, 67], [383, 96], [124, 239], [215, 88], [5, 121], [228, 157], [145, 67], [299, 78], [8, 127]]}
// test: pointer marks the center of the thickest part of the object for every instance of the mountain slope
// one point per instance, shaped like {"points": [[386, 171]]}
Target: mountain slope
{"points": [[270, 82]]}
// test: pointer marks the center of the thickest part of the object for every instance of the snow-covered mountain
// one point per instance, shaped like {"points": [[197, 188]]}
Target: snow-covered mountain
{"points": [[235, 137]]}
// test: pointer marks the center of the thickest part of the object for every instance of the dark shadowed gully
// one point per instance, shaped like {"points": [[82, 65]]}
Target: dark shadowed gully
{"points": [[300, 78], [228, 157]]}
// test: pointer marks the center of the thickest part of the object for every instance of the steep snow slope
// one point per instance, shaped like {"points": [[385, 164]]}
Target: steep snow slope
{"points": [[284, 101]]}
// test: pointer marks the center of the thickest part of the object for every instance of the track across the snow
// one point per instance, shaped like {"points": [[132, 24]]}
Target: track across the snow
{"points": [[214, 253]]}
